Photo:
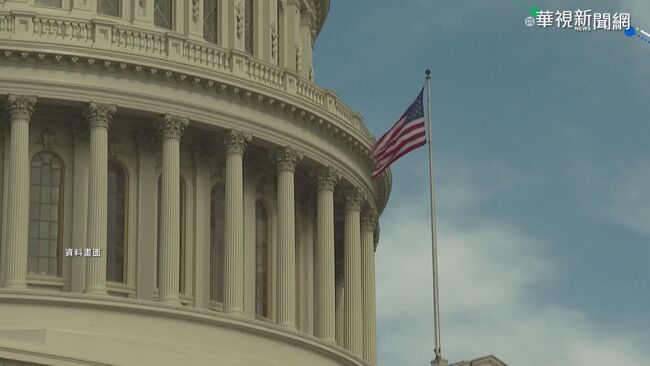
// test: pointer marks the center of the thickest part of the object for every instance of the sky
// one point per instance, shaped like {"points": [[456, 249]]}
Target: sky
{"points": [[542, 152]]}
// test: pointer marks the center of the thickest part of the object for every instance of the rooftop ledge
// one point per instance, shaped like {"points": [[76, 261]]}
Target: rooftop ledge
{"points": [[173, 57], [185, 313]]}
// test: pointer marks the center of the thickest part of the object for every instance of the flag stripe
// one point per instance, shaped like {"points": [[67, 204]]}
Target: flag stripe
{"points": [[406, 150], [404, 134], [407, 134], [395, 135], [417, 136], [385, 138]]}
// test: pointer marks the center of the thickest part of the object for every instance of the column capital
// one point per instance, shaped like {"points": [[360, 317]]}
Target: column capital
{"points": [[21, 106], [326, 178], [99, 114], [354, 197], [172, 126], [287, 159], [369, 220], [235, 142]]}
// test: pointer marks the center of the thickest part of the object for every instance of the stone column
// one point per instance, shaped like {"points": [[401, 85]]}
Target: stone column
{"points": [[99, 117], [171, 128], [20, 109], [352, 270], [368, 223], [286, 160], [325, 312], [234, 143]]}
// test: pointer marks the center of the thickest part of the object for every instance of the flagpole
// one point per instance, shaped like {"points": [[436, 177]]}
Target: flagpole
{"points": [[434, 245]]}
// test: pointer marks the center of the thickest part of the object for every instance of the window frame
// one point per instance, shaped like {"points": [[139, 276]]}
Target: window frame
{"points": [[61, 212], [120, 9], [172, 15], [215, 15], [62, 6]]}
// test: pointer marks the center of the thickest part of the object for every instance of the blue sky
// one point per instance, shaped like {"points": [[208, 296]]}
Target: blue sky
{"points": [[542, 143]]}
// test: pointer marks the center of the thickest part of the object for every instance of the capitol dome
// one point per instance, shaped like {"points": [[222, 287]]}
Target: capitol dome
{"points": [[176, 189]]}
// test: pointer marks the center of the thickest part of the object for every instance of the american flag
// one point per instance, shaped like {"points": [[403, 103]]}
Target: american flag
{"points": [[406, 135]]}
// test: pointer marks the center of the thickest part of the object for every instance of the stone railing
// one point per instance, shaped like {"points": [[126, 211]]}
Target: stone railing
{"points": [[25, 29], [56, 29]]}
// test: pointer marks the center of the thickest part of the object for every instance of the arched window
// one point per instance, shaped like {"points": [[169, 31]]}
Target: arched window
{"points": [[181, 274], [250, 25], [163, 13], [210, 20], [52, 3], [117, 206], [45, 214], [217, 238], [261, 260], [109, 7]]}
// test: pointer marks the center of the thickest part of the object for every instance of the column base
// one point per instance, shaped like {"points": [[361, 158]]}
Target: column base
{"points": [[15, 285], [289, 326], [170, 301], [236, 312], [99, 291], [330, 341]]}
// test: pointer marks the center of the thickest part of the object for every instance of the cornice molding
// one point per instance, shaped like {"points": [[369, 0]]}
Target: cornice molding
{"points": [[321, 119]]}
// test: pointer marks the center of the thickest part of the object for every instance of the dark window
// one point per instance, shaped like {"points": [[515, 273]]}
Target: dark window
{"points": [[261, 261], [109, 7], [45, 209], [210, 20], [217, 238], [117, 206], [52, 3], [163, 13]]}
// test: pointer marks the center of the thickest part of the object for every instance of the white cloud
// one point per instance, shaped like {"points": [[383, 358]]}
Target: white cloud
{"points": [[628, 202], [490, 271]]}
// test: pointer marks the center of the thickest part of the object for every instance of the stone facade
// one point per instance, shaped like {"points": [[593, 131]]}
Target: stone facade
{"points": [[177, 190]]}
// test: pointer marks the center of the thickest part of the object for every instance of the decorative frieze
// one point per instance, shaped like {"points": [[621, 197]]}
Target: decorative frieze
{"points": [[48, 138], [239, 18], [274, 39]]}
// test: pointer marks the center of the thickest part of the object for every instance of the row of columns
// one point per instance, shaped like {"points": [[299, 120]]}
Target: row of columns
{"points": [[359, 290]]}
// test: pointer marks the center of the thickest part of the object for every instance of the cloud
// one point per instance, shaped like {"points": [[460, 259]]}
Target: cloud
{"points": [[492, 280], [628, 196]]}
